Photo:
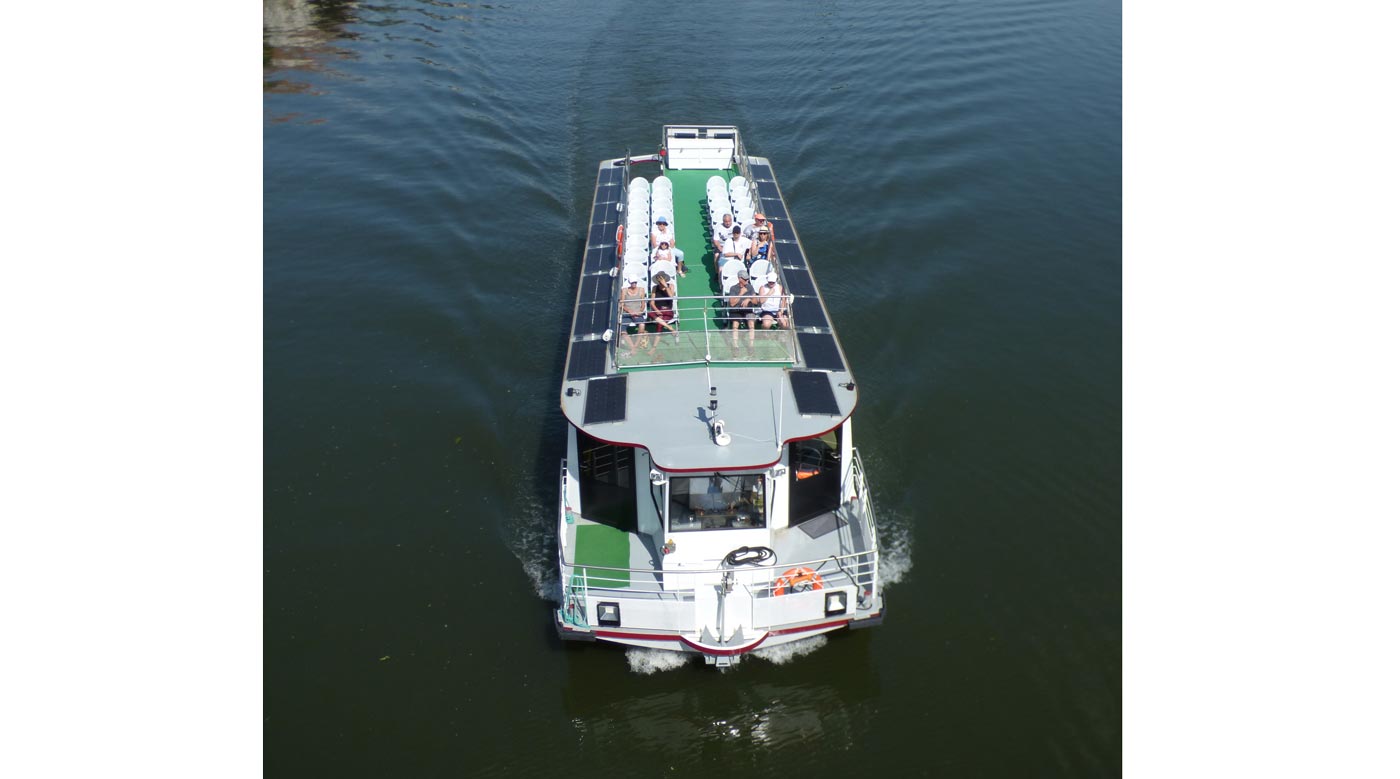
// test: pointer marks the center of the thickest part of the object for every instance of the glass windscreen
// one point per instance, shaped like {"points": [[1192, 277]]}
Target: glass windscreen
{"points": [[717, 502]]}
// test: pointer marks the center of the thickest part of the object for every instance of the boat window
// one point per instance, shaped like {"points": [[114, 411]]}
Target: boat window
{"points": [[717, 502], [814, 473], [606, 489]]}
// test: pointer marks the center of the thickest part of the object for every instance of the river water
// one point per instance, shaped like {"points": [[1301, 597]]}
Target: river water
{"points": [[954, 170]]}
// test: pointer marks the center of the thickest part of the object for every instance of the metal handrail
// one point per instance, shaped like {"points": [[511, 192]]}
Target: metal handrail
{"points": [[680, 342], [650, 581]]}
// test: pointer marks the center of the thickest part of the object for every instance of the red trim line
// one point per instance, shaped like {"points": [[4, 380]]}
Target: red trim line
{"points": [[711, 651], [723, 652]]}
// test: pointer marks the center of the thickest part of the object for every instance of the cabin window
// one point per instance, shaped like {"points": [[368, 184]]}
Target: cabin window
{"points": [[606, 489], [718, 502], [814, 474]]}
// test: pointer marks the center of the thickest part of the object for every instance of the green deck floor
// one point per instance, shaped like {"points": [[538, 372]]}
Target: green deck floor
{"points": [[693, 236], [605, 546]]}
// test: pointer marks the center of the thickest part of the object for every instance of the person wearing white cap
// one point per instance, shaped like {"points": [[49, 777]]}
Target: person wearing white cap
{"points": [[772, 308], [632, 311]]}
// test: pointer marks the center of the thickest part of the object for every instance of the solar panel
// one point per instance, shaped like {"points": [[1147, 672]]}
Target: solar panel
{"points": [[799, 282], [599, 259], [790, 256], [594, 289], [807, 312], [773, 208], [592, 318], [820, 352], [761, 171], [767, 190], [610, 175], [813, 393], [587, 358], [782, 231], [602, 234], [607, 400], [606, 213]]}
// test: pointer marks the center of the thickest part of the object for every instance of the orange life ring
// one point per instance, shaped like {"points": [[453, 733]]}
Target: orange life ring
{"points": [[797, 580], [620, 235]]}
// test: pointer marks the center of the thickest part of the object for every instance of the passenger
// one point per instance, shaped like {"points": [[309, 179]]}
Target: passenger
{"points": [[763, 249], [632, 308], [663, 235], [663, 305], [773, 304], [663, 253], [743, 304], [737, 247], [751, 231], [722, 233]]}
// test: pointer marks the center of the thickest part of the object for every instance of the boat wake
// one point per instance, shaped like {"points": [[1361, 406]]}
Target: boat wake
{"points": [[784, 653], [896, 552], [649, 661], [532, 540]]}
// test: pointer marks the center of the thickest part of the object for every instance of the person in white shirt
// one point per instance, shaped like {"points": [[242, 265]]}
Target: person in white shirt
{"points": [[737, 247], [774, 303], [722, 232]]}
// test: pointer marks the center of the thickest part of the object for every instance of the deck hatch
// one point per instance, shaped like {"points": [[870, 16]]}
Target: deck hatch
{"points": [[761, 172], [807, 312], [587, 358], [592, 319], [813, 393], [782, 230], [819, 350], [799, 282], [607, 400], [767, 190]]}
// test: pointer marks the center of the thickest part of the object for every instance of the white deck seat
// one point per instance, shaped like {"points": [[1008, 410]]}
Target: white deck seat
{"points": [[661, 182], [634, 257], [634, 270], [663, 265], [759, 270], [639, 183], [729, 273], [737, 184]]}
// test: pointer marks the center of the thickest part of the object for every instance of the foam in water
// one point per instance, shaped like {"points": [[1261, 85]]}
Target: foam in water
{"points": [[649, 661], [896, 557], [533, 542], [782, 653]]}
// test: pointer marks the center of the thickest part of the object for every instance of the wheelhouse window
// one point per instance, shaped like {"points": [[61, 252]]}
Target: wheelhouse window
{"points": [[718, 502]]}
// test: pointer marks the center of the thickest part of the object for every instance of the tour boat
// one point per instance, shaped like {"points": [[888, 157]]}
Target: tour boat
{"points": [[711, 500]]}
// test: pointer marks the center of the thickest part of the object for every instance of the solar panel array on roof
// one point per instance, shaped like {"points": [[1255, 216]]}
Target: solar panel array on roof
{"points": [[610, 175], [819, 350], [807, 312], [602, 233], [799, 282], [761, 171], [772, 207], [592, 318], [767, 190], [587, 358], [782, 231], [607, 400], [813, 393]]}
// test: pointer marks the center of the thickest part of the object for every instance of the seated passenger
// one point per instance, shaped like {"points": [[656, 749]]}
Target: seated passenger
{"points": [[737, 247], [742, 306], [773, 305], [764, 247], [663, 235], [663, 305], [663, 253], [751, 231], [722, 232], [632, 309]]}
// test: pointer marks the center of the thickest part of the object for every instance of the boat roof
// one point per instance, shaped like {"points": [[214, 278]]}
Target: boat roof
{"points": [[790, 384]]}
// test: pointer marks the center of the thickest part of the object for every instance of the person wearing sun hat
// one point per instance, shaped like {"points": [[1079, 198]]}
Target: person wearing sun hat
{"points": [[773, 303], [751, 230]]}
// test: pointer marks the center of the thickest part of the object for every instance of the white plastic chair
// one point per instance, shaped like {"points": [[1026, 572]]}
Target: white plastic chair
{"points": [[634, 269], [639, 183], [729, 273], [661, 182], [738, 184], [634, 257], [759, 270], [663, 265]]}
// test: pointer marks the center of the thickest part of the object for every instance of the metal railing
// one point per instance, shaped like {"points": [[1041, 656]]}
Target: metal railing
{"points": [[702, 330]]}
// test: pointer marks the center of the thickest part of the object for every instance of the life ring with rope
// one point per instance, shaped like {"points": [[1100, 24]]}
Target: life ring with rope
{"points": [[621, 233], [801, 579]]}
